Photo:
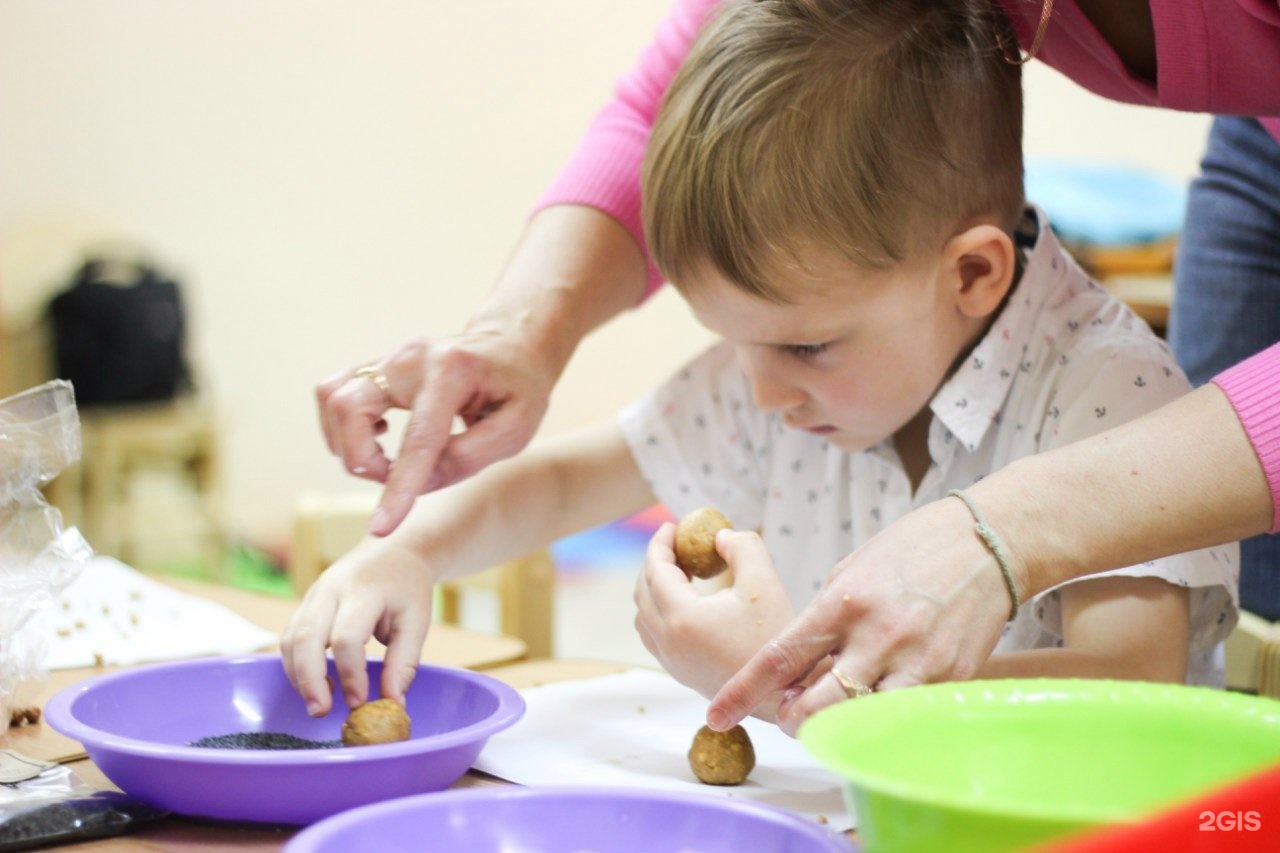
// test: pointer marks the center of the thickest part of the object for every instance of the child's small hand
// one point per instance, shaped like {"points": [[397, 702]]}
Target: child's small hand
{"points": [[700, 638], [377, 590]]}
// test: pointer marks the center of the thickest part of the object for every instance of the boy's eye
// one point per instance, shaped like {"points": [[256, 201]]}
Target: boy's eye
{"points": [[806, 350]]}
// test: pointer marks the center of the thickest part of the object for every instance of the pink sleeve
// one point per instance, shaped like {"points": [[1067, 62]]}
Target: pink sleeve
{"points": [[1253, 388], [1218, 56], [604, 172]]}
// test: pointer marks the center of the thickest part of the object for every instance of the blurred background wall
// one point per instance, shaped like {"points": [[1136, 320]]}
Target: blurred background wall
{"points": [[328, 179]]}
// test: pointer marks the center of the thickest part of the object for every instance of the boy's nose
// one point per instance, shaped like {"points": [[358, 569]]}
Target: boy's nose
{"points": [[771, 392]]}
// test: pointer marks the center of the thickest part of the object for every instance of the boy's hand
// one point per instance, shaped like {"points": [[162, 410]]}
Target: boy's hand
{"points": [[379, 590], [703, 639]]}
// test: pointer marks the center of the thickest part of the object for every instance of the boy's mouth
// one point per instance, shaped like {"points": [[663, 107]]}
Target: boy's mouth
{"points": [[815, 430], [793, 421]]}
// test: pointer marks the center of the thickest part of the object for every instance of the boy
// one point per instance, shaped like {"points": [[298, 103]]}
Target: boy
{"points": [[836, 190]]}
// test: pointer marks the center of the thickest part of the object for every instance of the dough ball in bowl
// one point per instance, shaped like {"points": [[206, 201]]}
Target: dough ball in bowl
{"points": [[379, 721]]}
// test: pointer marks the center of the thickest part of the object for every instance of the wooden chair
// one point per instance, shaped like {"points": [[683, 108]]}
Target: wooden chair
{"points": [[1140, 276], [327, 525], [121, 443], [1120, 222], [1253, 656]]}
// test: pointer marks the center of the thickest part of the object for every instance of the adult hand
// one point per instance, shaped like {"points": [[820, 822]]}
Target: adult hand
{"points": [[921, 601], [489, 379], [574, 268], [379, 589], [703, 638]]}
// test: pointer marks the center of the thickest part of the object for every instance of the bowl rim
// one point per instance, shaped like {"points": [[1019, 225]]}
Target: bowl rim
{"points": [[58, 712], [319, 831], [880, 783]]}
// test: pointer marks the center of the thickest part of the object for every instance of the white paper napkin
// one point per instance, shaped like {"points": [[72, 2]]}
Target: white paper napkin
{"points": [[634, 729], [114, 615]]}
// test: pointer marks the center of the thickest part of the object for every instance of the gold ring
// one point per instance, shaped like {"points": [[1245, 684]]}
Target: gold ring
{"points": [[853, 688], [376, 376]]}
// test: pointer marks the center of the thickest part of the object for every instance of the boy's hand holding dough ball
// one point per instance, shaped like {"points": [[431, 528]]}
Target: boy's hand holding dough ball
{"points": [[717, 758], [696, 550]]}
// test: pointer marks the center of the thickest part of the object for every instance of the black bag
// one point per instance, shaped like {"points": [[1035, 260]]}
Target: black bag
{"points": [[119, 334]]}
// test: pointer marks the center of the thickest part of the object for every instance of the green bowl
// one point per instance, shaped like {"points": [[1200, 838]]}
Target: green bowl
{"points": [[997, 765]]}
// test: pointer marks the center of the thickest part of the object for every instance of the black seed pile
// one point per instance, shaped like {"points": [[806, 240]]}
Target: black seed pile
{"points": [[262, 740]]}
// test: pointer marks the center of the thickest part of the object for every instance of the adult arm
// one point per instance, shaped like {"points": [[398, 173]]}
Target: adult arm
{"points": [[581, 261], [924, 601]]}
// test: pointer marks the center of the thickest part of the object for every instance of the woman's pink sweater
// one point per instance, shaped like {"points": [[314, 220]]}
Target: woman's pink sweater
{"points": [[1215, 56], [1253, 387]]}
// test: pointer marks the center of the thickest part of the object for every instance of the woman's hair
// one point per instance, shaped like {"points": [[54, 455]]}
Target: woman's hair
{"points": [[872, 128]]}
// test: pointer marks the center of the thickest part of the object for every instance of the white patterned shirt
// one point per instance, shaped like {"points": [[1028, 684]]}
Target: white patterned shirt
{"points": [[1062, 361]]}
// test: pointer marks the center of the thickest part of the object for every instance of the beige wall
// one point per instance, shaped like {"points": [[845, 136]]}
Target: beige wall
{"points": [[331, 178]]}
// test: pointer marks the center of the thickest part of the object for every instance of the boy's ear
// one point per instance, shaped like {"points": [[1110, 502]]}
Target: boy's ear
{"points": [[981, 262]]}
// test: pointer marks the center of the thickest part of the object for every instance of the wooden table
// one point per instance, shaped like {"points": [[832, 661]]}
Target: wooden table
{"points": [[178, 835]]}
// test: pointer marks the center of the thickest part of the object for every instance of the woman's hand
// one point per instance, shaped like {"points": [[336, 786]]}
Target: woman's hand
{"points": [[703, 638], [379, 589], [574, 268], [922, 601], [492, 381]]}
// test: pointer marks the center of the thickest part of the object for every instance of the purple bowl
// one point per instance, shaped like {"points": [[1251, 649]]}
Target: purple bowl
{"points": [[136, 725], [568, 820]]}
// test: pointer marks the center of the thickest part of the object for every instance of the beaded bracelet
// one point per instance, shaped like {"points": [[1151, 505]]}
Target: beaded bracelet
{"points": [[993, 542]]}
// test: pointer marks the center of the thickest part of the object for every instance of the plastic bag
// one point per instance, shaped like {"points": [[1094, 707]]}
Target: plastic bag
{"points": [[57, 807], [39, 437]]}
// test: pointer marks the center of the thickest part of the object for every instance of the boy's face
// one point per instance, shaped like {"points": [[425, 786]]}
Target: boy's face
{"points": [[854, 356]]}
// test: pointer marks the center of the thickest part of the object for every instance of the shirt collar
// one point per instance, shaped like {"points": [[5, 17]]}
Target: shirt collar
{"points": [[971, 400]]}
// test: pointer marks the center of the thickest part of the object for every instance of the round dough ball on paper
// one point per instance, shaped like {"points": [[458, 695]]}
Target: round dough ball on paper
{"points": [[722, 758]]}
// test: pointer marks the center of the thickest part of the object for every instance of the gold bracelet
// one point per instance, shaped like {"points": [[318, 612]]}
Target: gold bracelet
{"points": [[993, 542]]}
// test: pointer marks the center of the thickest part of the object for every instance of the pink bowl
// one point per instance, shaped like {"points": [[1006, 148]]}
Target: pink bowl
{"points": [[568, 820], [136, 725]]}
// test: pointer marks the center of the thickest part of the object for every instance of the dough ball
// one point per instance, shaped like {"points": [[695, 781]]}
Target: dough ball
{"points": [[696, 543], [380, 721], [722, 758]]}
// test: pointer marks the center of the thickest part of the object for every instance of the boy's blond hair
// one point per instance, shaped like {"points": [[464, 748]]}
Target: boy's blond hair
{"points": [[873, 128]]}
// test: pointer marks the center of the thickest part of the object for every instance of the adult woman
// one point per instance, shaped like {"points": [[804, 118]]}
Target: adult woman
{"points": [[582, 260], [1181, 478]]}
